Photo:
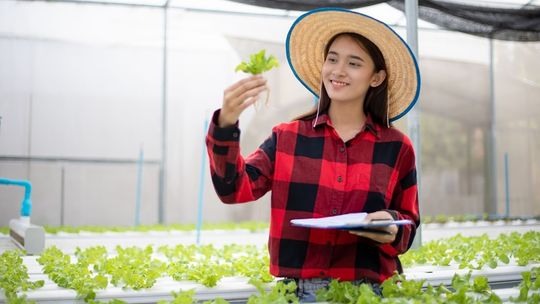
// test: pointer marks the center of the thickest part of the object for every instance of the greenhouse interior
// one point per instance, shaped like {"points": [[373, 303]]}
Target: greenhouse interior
{"points": [[106, 192]]}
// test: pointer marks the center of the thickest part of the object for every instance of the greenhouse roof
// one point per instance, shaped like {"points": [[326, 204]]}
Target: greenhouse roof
{"points": [[512, 20]]}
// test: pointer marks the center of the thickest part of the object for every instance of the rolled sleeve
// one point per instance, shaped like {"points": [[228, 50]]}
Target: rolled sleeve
{"points": [[235, 179], [404, 206]]}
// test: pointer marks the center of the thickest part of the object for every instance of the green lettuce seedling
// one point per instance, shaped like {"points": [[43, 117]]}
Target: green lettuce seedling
{"points": [[258, 64]]}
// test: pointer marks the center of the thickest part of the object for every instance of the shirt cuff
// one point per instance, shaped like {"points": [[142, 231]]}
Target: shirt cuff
{"points": [[231, 133]]}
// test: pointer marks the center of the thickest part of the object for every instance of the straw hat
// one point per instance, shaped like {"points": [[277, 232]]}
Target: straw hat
{"points": [[311, 32]]}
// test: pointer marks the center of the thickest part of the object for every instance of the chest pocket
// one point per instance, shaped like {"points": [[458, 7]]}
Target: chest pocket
{"points": [[374, 187], [360, 180]]}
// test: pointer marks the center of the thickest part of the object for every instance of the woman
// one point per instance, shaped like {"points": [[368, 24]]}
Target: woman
{"points": [[342, 157]]}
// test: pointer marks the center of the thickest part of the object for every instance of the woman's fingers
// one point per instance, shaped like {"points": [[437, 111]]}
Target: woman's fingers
{"points": [[385, 234], [383, 216], [242, 82], [238, 97], [242, 90], [250, 94], [245, 85], [248, 102], [382, 238]]}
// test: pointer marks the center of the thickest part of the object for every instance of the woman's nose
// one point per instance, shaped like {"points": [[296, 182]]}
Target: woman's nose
{"points": [[338, 70]]}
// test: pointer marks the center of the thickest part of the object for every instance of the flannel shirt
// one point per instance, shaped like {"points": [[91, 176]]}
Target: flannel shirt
{"points": [[313, 173]]}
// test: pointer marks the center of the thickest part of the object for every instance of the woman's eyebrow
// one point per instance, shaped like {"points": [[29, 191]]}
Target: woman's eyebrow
{"points": [[350, 56], [356, 57]]}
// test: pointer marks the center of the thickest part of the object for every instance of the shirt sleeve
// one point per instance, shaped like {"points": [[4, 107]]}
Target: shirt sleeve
{"points": [[235, 179], [404, 205]]}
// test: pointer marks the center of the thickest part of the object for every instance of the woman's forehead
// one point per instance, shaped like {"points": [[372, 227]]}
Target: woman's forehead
{"points": [[347, 45]]}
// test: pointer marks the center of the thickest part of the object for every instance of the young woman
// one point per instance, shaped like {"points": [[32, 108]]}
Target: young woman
{"points": [[342, 157]]}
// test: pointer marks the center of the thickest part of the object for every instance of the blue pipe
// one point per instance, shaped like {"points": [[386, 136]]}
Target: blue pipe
{"points": [[506, 186], [26, 207], [140, 164], [201, 183]]}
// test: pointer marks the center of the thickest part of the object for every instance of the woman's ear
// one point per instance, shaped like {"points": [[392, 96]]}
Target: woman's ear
{"points": [[378, 78]]}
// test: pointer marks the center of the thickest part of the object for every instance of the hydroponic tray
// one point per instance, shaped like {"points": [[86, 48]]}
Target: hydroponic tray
{"points": [[237, 289], [231, 289], [501, 277]]}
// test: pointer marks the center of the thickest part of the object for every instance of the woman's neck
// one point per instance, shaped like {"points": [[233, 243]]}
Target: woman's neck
{"points": [[347, 119], [349, 115]]}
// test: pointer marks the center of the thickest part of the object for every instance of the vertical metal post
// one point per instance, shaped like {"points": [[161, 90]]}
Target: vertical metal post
{"points": [[163, 163], [413, 123], [491, 201], [29, 147]]}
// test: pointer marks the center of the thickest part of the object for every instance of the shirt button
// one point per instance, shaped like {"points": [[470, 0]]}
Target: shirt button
{"points": [[334, 211], [342, 149], [322, 273], [339, 179], [235, 134]]}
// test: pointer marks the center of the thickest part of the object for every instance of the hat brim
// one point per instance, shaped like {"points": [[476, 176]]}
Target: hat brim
{"points": [[311, 32]]}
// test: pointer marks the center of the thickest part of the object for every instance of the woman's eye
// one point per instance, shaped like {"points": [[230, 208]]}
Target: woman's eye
{"points": [[332, 60], [354, 64]]}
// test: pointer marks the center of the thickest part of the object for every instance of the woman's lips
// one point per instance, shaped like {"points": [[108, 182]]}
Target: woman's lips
{"points": [[338, 84]]}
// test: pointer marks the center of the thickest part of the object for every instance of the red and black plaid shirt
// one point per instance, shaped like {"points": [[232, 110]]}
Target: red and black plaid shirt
{"points": [[313, 173]]}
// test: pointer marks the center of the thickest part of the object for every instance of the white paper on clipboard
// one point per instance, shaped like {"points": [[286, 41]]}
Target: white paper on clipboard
{"points": [[346, 221]]}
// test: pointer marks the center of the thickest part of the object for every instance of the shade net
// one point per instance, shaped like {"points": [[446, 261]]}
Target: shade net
{"points": [[511, 23]]}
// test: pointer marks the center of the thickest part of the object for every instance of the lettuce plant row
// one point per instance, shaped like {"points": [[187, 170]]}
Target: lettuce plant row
{"points": [[136, 268]]}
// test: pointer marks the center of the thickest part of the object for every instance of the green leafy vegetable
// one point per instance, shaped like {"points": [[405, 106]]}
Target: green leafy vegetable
{"points": [[78, 276], [529, 288], [93, 269], [280, 294], [476, 252], [217, 300], [14, 277], [258, 63], [181, 297], [398, 290]]}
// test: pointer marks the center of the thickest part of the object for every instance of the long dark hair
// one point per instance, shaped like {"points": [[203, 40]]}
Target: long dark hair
{"points": [[376, 101]]}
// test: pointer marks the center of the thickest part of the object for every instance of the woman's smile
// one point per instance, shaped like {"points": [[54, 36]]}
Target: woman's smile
{"points": [[338, 84]]}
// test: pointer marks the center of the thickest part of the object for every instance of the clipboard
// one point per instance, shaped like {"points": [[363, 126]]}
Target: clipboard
{"points": [[350, 221]]}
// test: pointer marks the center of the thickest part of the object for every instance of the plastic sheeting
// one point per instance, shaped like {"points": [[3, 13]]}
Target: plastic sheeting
{"points": [[87, 87]]}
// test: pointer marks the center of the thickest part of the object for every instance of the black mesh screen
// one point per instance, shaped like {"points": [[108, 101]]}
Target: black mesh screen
{"points": [[518, 23]]}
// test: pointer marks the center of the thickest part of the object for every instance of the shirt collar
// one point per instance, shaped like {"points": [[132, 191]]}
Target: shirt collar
{"points": [[369, 125], [322, 119]]}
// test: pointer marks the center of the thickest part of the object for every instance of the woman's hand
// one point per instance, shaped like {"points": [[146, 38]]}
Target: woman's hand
{"points": [[238, 97], [387, 234]]}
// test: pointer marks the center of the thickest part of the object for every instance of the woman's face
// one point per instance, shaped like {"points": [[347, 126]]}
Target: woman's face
{"points": [[349, 71]]}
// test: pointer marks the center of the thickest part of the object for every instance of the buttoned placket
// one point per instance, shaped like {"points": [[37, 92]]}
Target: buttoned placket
{"points": [[341, 177], [338, 195]]}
